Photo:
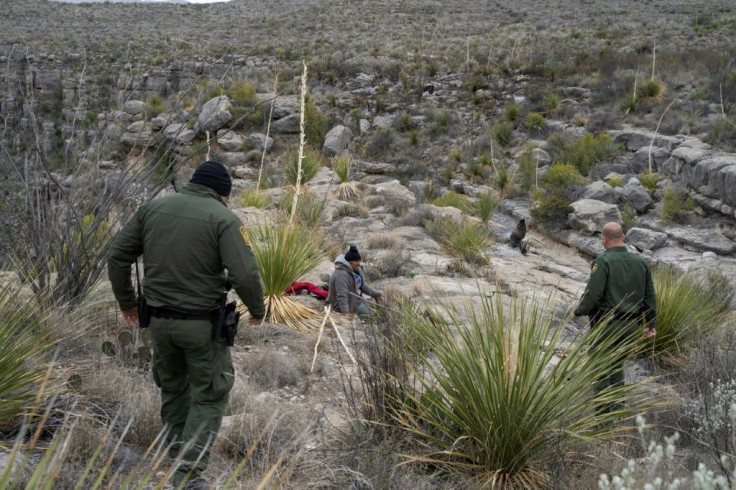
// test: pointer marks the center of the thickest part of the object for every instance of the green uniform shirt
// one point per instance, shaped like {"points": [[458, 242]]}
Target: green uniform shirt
{"points": [[187, 241], [620, 281]]}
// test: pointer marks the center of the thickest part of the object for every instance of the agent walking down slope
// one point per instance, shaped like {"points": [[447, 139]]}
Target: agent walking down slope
{"points": [[620, 287], [188, 240], [347, 285]]}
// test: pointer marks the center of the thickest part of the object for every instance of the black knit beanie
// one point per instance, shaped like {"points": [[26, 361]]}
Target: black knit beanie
{"points": [[213, 175], [352, 254]]}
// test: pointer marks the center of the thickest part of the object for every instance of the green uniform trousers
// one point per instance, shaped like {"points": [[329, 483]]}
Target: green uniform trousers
{"points": [[195, 374], [623, 331]]}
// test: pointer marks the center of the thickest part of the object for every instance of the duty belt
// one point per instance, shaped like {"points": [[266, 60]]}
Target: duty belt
{"points": [[169, 314]]}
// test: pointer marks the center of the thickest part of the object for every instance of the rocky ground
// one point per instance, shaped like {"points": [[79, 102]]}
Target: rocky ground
{"points": [[416, 92]]}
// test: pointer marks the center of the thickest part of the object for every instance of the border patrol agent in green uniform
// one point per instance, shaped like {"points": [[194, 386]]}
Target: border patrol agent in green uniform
{"points": [[188, 240], [620, 287]]}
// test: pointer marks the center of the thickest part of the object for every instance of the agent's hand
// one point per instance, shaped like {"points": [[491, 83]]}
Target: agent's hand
{"points": [[255, 321], [130, 317], [649, 333], [379, 297]]}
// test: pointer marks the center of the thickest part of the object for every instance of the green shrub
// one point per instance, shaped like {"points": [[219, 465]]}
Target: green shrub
{"points": [[615, 181], [254, 198], [311, 163], [649, 180], [463, 239], [485, 205], [493, 404], [512, 113], [316, 125], [587, 151], [551, 103], [476, 171], [553, 197], [456, 154], [308, 208], [686, 306], [535, 121], [527, 170], [455, 200], [503, 133], [414, 137], [502, 180], [25, 345], [652, 88], [440, 123], [676, 205], [628, 217], [155, 106], [242, 94]]}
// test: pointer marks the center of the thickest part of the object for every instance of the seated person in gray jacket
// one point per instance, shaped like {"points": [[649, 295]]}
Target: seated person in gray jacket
{"points": [[347, 285]]}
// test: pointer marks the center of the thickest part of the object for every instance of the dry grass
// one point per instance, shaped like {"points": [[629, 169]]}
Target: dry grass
{"points": [[384, 241]]}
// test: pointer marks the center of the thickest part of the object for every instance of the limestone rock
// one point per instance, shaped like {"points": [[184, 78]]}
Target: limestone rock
{"points": [[336, 140], [637, 196], [215, 114], [641, 163], [134, 107], [287, 125], [229, 140], [589, 215], [179, 133], [600, 191], [645, 239], [259, 141]]}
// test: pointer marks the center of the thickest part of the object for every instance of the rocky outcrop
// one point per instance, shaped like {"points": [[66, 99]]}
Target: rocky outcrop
{"points": [[644, 239], [589, 215], [336, 140], [214, 115]]}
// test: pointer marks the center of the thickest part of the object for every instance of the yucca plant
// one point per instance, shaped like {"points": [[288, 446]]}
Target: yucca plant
{"points": [[285, 252], [346, 190], [485, 205], [686, 306], [492, 401], [254, 198], [25, 345], [311, 164], [463, 239]]}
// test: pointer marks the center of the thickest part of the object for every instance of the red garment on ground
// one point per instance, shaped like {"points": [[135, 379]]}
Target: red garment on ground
{"points": [[296, 287]]}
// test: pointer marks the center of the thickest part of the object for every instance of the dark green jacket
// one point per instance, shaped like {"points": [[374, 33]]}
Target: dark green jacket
{"points": [[187, 241], [619, 281]]}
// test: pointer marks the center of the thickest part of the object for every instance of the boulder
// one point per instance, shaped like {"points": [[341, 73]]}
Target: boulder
{"points": [[259, 141], [215, 114], [689, 155], [229, 140], [287, 125], [645, 239], [589, 215], [134, 107], [636, 139], [394, 190], [705, 240], [179, 133], [336, 140], [641, 162], [376, 168], [283, 105], [383, 121], [599, 191], [637, 196]]}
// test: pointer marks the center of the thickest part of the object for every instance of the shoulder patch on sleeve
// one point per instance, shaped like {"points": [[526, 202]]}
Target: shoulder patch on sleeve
{"points": [[594, 268], [244, 234]]}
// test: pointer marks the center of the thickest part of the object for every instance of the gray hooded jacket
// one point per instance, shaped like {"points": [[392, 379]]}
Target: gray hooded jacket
{"points": [[343, 292]]}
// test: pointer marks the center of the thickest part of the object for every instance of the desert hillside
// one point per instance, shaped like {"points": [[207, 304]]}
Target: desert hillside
{"points": [[471, 150]]}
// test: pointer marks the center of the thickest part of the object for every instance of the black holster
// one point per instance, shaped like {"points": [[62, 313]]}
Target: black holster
{"points": [[144, 312], [225, 323]]}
